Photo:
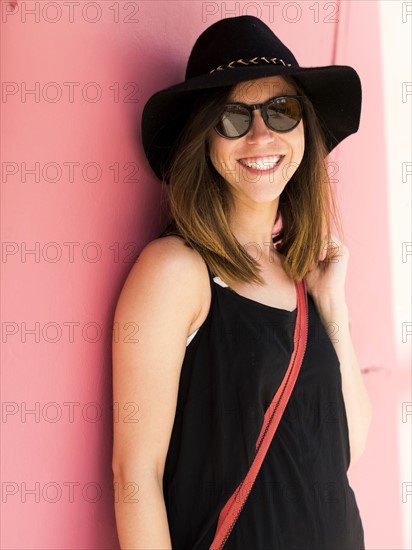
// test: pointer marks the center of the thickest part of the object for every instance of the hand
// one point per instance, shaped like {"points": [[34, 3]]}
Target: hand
{"points": [[326, 278]]}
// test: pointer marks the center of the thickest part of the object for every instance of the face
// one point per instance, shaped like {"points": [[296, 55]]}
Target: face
{"points": [[258, 165]]}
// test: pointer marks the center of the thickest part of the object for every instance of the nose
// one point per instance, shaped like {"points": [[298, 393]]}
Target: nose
{"points": [[259, 132]]}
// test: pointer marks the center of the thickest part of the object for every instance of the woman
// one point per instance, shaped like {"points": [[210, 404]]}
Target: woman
{"points": [[241, 145]]}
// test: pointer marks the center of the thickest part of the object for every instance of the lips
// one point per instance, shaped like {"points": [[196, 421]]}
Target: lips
{"points": [[261, 164]]}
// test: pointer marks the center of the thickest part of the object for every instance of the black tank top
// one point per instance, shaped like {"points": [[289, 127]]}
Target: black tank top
{"points": [[301, 499]]}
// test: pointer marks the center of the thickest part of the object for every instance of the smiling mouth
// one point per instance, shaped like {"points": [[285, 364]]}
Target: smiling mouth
{"points": [[262, 164]]}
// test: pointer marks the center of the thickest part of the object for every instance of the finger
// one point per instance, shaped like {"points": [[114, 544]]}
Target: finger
{"points": [[325, 247], [324, 252], [334, 247]]}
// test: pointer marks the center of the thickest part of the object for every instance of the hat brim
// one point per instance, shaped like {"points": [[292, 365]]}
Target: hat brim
{"points": [[335, 92]]}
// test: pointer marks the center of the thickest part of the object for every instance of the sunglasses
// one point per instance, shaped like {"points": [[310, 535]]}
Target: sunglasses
{"points": [[281, 114]]}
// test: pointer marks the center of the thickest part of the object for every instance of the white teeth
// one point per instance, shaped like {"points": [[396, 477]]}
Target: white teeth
{"points": [[266, 163]]}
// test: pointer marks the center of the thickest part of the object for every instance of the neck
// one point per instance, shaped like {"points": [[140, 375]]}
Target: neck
{"points": [[252, 225]]}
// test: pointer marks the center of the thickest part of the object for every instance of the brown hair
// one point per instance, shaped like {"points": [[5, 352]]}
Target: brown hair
{"points": [[200, 201]]}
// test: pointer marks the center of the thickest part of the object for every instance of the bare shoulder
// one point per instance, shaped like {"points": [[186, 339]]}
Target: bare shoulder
{"points": [[167, 265], [171, 255], [173, 247]]}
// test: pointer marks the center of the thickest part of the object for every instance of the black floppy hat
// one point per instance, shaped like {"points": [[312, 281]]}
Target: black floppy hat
{"points": [[239, 49]]}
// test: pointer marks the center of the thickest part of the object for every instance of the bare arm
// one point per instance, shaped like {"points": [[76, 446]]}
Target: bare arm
{"points": [[161, 299]]}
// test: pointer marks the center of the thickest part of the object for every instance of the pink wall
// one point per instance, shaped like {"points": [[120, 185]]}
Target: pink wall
{"points": [[59, 301]]}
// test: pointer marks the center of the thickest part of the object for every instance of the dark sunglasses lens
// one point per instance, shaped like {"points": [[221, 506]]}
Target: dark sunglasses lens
{"points": [[284, 114], [234, 121]]}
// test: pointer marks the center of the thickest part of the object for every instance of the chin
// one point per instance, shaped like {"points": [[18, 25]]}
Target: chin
{"points": [[262, 196]]}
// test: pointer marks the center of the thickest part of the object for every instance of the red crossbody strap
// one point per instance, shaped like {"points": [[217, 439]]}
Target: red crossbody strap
{"points": [[230, 512]]}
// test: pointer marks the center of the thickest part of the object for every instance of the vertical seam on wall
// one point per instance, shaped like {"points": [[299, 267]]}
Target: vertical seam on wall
{"points": [[336, 153], [336, 35]]}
